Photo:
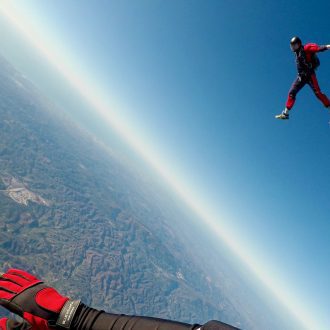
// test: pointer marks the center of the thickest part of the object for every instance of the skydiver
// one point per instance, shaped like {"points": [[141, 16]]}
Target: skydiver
{"points": [[307, 63], [43, 308]]}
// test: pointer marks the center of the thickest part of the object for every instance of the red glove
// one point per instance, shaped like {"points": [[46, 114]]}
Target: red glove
{"points": [[41, 306]]}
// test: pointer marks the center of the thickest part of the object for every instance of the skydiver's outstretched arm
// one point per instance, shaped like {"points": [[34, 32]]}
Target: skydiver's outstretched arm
{"points": [[91, 319], [315, 48], [43, 308]]}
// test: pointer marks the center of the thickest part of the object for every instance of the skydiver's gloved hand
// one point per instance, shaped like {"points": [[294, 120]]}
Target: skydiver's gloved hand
{"points": [[41, 306]]}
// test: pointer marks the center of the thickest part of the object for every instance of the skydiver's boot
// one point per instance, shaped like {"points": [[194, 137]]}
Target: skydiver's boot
{"points": [[284, 114]]}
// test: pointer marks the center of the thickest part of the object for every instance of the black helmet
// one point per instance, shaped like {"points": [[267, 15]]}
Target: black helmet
{"points": [[295, 43]]}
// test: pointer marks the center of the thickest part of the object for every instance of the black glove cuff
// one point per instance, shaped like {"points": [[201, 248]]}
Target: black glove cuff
{"points": [[67, 314]]}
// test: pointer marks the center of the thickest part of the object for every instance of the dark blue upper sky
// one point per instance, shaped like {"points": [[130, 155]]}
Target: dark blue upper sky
{"points": [[203, 80]]}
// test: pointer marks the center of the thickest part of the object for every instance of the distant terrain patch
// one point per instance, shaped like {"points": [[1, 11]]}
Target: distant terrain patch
{"points": [[19, 192]]}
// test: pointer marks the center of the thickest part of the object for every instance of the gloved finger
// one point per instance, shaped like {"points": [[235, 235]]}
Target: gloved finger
{"points": [[9, 285], [22, 274], [22, 282], [8, 289]]}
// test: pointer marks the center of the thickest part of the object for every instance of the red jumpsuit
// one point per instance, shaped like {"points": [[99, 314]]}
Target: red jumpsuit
{"points": [[306, 74]]}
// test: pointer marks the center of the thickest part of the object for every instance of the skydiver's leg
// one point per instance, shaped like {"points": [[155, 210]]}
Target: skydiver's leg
{"points": [[297, 85], [313, 83]]}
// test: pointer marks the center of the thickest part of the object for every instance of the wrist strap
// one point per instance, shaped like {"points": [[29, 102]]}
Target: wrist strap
{"points": [[67, 313]]}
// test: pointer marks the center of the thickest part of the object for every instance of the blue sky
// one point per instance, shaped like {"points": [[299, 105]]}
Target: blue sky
{"points": [[202, 81]]}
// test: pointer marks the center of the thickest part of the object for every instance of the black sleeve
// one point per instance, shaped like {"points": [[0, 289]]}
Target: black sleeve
{"points": [[88, 318]]}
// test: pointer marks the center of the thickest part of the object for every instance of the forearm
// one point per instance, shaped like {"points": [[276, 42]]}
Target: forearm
{"points": [[91, 319]]}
